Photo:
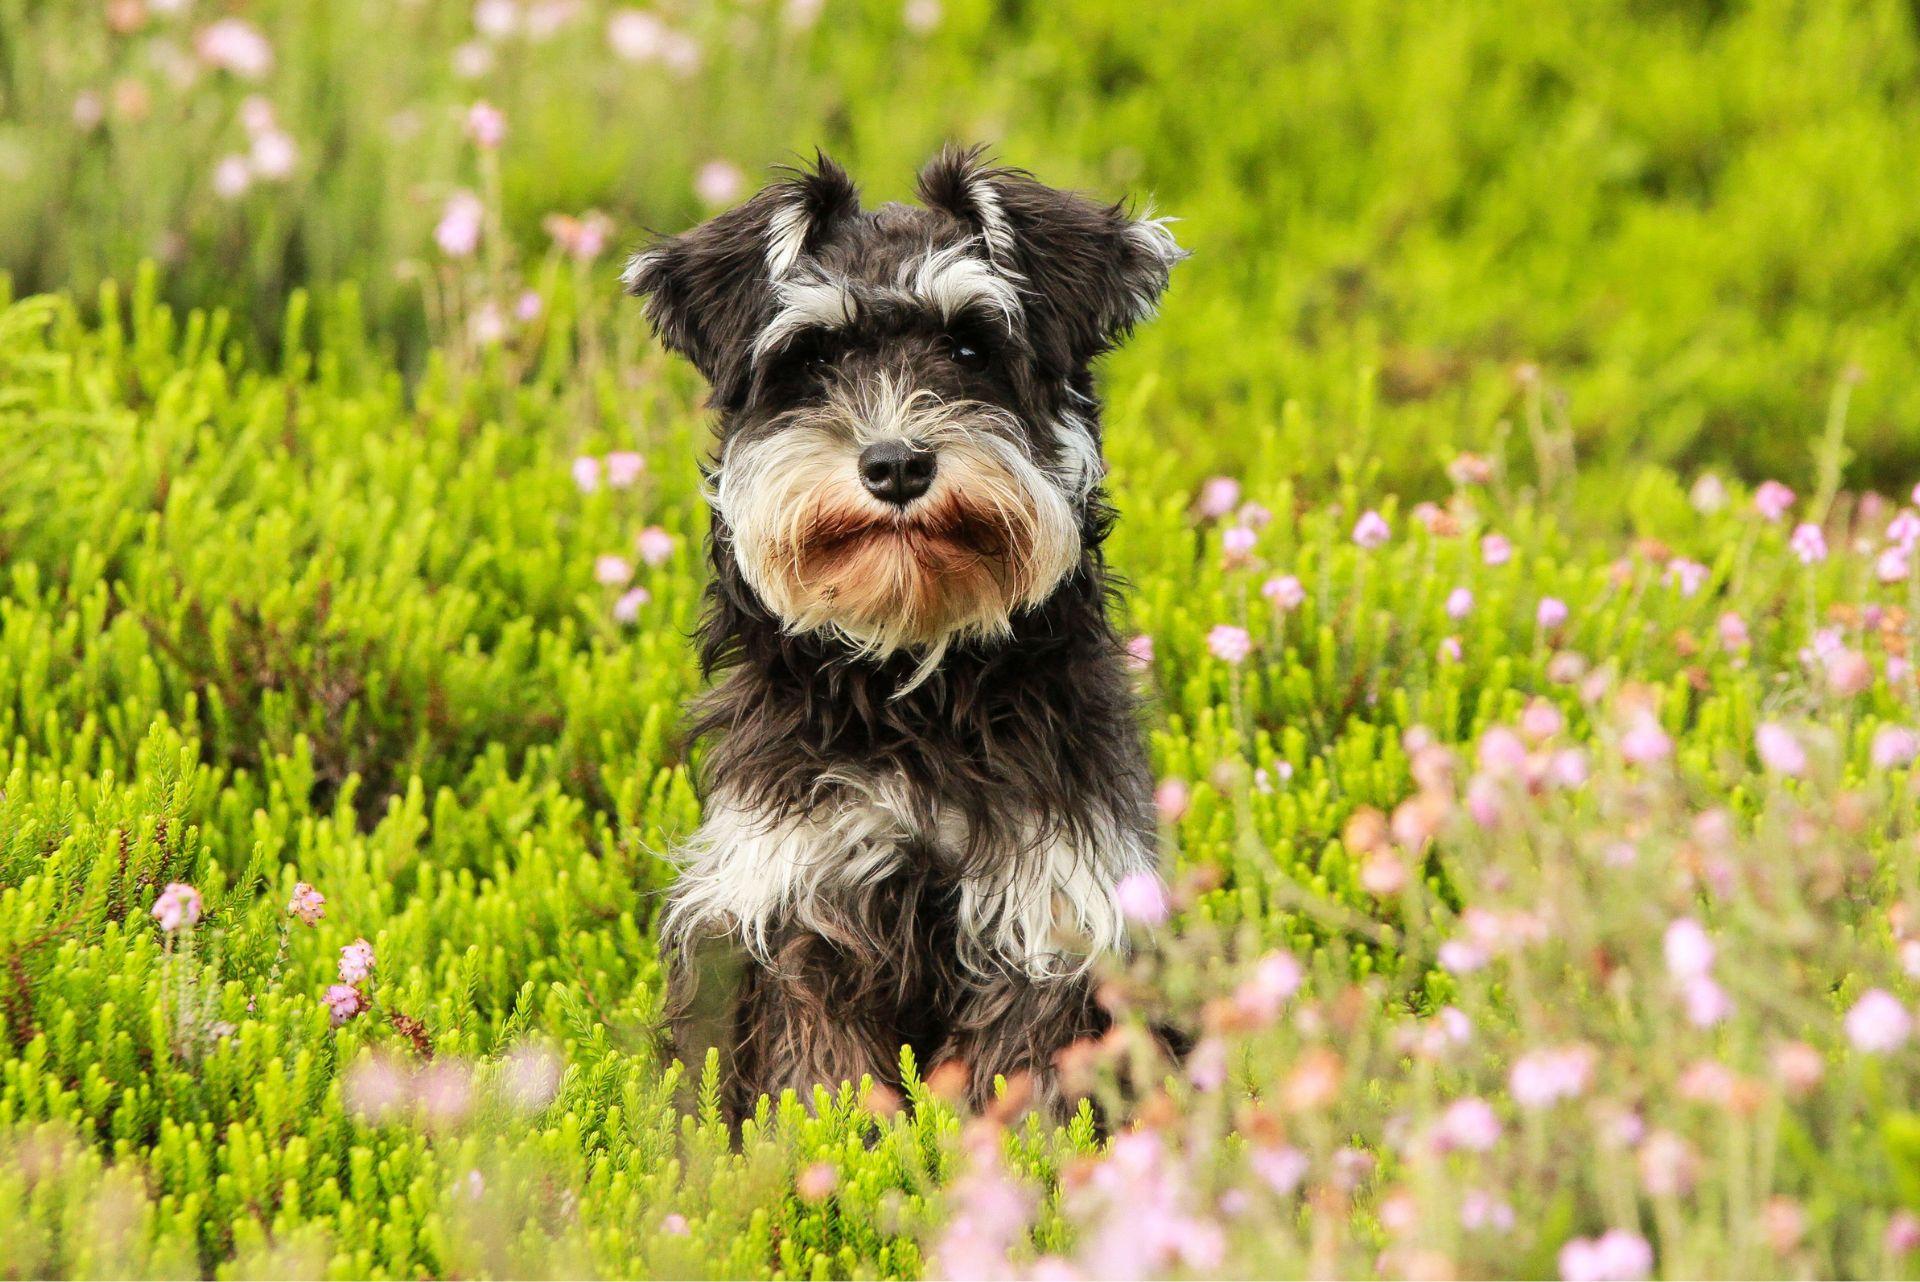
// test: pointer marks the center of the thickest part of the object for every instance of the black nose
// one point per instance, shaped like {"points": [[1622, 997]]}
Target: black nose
{"points": [[895, 472]]}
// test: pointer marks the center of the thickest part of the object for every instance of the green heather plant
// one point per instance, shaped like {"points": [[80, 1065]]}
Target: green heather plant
{"points": [[1517, 517]]}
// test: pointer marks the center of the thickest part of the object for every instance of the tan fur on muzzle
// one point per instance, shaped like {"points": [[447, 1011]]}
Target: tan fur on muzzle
{"points": [[993, 534]]}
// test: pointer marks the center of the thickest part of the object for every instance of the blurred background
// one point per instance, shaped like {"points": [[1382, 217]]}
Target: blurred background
{"points": [[1660, 232]]}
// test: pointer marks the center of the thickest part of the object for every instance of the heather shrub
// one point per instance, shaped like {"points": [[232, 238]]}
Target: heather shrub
{"points": [[1519, 535]]}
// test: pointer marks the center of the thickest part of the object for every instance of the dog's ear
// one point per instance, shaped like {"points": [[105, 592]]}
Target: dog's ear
{"points": [[1088, 271], [710, 290]]}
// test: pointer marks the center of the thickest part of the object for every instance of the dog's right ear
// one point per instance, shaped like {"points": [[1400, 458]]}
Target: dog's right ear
{"points": [[709, 291]]}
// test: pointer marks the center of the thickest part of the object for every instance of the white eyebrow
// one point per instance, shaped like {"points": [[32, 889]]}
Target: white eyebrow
{"points": [[817, 303], [951, 280]]}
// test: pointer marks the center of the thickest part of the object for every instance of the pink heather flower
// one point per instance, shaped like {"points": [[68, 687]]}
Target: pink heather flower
{"points": [[1614, 1256], [1551, 613], [655, 545], [1383, 874], [1469, 1124], [444, 1092], [1568, 768], [375, 1088], [356, 962], [1469, 469], [1218, 497], [1891, 565], [1667, 1164], [1893, 746], [1143, 899], [472, 59], [273, 156], [458, 232], [343, 1002], [1282, 1166], [1541, 721], [1230, 644], [612, 571], [1496, 549], [627, 608], [1483, 1212], [1543, 1078], [921, 16], [1708, 495], [528, 306], [487, 326], [1140, 652], [1501, 752], [675, 1224], [1904, 529], [1459, 604], [1809, 543], [1284, 591], [1707, 1003], [486, 125], [308, 904], [1688, 576], [1688, 948], [1779, 751], [1237, 543], [496, 19], [1371, 530], [1849, 673], [1255, 516], [1207, 1064], [624, 467], [1450, 650], [1644, 742], [1772, 500], [817, 1182], [1878, 1023], [586, 474], [89, 110], [1460, 956], [176, 906], [582, 239], [1276, 977], [231, 177], [1898, 670], [718, 182], [635, 35], [1903, 1227], [1733, 631], [236, 46]]}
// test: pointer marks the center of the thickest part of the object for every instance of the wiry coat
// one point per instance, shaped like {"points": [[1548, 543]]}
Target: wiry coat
{"points": [[922, 789]]}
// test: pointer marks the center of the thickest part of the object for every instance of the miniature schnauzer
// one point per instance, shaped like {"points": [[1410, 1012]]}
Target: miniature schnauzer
{"points": [[926, 777]]}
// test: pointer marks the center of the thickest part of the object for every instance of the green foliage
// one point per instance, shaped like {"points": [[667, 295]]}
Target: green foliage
{"points": [[1690, 217]]}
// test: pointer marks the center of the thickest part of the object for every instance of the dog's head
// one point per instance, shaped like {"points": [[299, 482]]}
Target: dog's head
{"points": [[909, 440]]}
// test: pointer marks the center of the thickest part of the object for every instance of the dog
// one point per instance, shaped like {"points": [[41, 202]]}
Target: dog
{"points": [[925, 776]]}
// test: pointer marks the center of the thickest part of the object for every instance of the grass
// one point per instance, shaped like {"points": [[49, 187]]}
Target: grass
{"points": [[300, 587]]}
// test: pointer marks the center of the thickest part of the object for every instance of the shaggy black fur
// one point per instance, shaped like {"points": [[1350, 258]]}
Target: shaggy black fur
{"points": [[1040, 723]]}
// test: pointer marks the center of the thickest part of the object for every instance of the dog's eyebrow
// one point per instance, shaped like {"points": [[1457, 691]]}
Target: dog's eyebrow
{"points": [[810, 303], [952, 280]]}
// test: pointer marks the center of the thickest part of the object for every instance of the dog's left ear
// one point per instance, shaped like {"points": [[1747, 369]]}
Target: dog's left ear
{"points": [[710, 290], [1088, 271]]}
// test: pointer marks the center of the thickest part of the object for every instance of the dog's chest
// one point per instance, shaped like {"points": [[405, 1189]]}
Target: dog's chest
{"points": [[1043, 903]]}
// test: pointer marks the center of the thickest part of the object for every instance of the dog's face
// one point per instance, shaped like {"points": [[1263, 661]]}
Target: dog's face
{"points": [[908, 433]]}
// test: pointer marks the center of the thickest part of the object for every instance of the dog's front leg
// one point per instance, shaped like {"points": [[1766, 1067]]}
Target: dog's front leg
{"points": [[811, 1014], [1014, 1025]]}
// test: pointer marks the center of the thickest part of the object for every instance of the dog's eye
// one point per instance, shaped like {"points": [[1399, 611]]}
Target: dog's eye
{"points": [[967, 351], [808, 357]]}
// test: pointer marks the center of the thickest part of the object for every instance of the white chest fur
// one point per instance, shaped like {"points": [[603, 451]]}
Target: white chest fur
{"points": [[1046, 908]]}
